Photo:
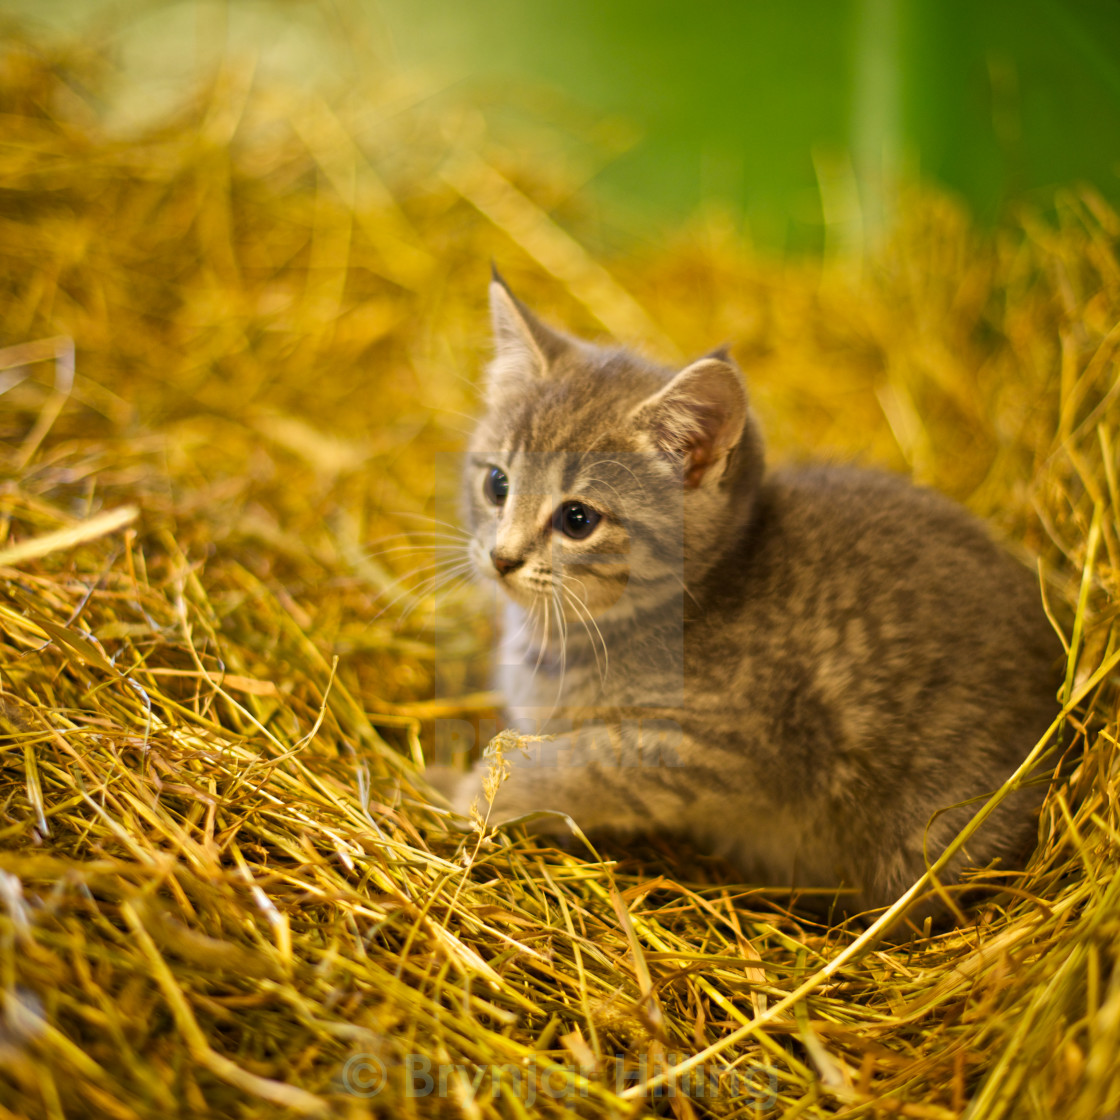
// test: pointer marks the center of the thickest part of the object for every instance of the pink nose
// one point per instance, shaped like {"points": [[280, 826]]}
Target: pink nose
{"points": [[504, 564]]}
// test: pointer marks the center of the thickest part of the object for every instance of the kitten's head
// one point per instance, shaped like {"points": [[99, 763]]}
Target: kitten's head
{"points": [[599, 477]]}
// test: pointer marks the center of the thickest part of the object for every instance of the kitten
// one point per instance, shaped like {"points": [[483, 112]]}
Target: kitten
{"points": [[806, 671]]}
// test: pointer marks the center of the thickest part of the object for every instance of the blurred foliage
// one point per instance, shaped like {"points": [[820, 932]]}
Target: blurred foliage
{"points": [[800, 120], [754, 105]]}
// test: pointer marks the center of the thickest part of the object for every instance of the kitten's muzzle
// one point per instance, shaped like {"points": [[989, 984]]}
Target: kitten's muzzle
{"points": [[505, 564]]}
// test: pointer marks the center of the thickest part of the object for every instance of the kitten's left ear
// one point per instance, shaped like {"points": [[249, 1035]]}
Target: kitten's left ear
{"points": [[698, 418], [523, 346]]}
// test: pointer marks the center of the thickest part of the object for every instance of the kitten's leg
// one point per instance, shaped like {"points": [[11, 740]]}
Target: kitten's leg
{"points": [[619, 778], [1004, 840]]}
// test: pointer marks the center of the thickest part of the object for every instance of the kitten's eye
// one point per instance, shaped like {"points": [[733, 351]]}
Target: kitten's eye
{"points": [[496, 486], [576, 520]]}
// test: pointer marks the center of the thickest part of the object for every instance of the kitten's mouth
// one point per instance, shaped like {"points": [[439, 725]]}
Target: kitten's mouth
{"points": [[576, 598], [527, 591], [583, 590]]}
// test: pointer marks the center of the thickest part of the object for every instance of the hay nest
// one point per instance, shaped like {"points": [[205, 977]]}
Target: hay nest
{"points": [[233, 348]]}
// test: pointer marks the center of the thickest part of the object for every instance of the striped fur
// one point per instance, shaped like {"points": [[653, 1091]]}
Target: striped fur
{"points": [[808, 671]]}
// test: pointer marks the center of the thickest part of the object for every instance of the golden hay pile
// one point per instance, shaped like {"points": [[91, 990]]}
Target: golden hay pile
{"points": [[233, 349]]}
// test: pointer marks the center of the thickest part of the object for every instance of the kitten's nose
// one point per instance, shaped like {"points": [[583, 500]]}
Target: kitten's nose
{"points": [[504, 564]]}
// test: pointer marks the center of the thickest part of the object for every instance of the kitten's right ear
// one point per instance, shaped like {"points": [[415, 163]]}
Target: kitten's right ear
{"points": [[697, 419], [524, 347]]}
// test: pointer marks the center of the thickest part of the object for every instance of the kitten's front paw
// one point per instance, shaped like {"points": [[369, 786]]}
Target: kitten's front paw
{"points": [[459, 789], [513, 798], [444, 780], [466, 790]]}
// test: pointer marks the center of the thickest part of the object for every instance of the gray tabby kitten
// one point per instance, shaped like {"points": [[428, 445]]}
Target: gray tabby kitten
{"points": [[807, 671]]}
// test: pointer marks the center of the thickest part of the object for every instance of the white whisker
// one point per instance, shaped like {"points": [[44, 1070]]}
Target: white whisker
{"points": [[444, 582], [562, 631], [544, 640], [434, 520], [426, 585], [413, 548], [581, 609], [616, 463]]}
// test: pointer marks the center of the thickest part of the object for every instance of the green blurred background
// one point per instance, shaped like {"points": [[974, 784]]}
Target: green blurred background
{"points": [[795, 120]]}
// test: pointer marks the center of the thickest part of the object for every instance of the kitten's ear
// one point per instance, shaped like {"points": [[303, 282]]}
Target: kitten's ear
{"points": [[523, 346], [698, 418]]}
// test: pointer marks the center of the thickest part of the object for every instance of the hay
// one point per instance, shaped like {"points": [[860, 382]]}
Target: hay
{"points": [[233, 347]]}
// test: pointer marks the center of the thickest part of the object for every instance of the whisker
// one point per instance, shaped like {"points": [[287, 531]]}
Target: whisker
{"points": [[608, 485], [591, 619], [433, 587], [418, 538], [581, 609], [414, 534], [434, 520], [454, 582], [616, 463], [534, 618], [684, 588], [426, 566], [425, 586], [414, 548], [526, 618], [594, 444], [458, 412], [544, 640], [562, 631]]}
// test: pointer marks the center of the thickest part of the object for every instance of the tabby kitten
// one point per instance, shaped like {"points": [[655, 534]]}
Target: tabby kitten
{"points": [[808, 671]]}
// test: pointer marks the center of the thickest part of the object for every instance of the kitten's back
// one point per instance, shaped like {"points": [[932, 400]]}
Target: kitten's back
{"points": [[892, 661]]}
